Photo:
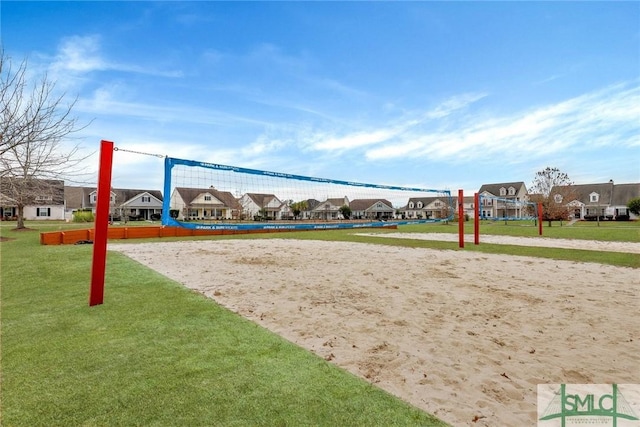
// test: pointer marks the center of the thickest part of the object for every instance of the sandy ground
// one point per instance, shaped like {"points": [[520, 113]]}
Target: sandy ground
{"points": [[462, 335], [591, 245]]}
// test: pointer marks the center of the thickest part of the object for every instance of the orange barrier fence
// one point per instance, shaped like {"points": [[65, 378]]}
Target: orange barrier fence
{"points": [[71, 237]]}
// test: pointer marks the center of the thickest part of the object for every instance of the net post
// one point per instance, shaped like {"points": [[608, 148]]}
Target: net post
{"points": [[96, 294], [476, 219], [539, 219], [461, 218]]}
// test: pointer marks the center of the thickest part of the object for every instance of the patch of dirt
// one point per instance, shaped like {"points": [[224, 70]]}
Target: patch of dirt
{"points": [[23, 229]]}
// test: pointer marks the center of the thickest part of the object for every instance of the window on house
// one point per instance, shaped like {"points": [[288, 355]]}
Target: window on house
{"points": [[193, 212], [43, 212], [207, 198], [593, 197], [557, 198], [512, 191], [419, 205], [94, 198], [43, 198], [146, 199], [410, 205], [503, 191], [437, 204]]}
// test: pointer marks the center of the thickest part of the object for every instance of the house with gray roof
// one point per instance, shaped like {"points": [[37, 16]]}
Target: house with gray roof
{"points": [[307, 212], [598, 201], [204, 204], [329, 209], [267, 206], [124, 204], [376, 209], [426, 208], [41, 199], [503, 200]]}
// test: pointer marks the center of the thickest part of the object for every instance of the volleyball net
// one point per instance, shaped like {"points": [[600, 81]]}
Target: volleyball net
{"points": [[201, 195]]}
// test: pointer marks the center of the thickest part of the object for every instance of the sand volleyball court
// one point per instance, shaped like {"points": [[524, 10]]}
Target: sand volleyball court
{"points": [[462, 335]]}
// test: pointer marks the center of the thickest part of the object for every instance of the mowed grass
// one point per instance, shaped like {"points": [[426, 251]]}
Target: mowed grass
{"points": [[156, 354]]}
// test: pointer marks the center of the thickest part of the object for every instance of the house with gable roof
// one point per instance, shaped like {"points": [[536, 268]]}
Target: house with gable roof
{"points": [[371, 209], [425, 208], [139, 204], [329, 209], [503, 200], [41, 199], [124, 204], [307, 212], [267, 206], [204, 203], [598, 201]]}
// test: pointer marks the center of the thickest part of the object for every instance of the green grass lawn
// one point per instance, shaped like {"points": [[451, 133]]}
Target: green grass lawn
{"points": [[158, 354]]}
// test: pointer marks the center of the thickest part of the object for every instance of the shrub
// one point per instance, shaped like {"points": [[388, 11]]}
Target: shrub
{"points": [[634, 205], [83, 215]]}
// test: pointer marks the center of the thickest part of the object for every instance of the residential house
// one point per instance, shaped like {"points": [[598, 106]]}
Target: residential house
{"points": [[139, 204], [329, 209], [8, 207], [426, 208], [598, 201], [124, 204], [307, 213], [263, 206], [504, 200], [376, 209], [204, 204], [41, 199], [468, 205]]}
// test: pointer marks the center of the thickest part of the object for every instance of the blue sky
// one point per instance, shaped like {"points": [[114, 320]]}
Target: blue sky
{"points": [[422, 94]]}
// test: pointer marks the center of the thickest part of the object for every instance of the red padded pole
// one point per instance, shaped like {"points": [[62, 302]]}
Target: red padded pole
{"points": [[540, 219], [461, 218], [96, 294], [476, 219]]}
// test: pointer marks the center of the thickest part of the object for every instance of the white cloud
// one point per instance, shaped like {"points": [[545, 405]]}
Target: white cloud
{"points": [[355, 140], [607, 117], [400, 130], [454, 104], [78, 55], [106, 102]]}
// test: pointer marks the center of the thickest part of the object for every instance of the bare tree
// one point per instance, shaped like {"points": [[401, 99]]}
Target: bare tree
{"points": [[554, 203], [37, 125]]}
